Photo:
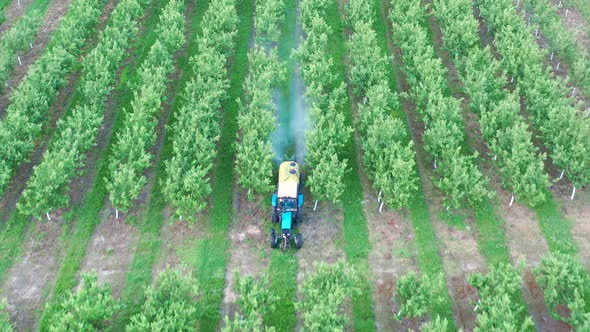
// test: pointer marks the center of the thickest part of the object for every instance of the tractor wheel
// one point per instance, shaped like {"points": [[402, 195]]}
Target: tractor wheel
{"points": [[298, 241], [275, 215], [299, 215], [273, 239]]}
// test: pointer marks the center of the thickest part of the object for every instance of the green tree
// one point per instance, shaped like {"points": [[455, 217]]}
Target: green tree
{"points": [[86, 309], [170, 304], [418, 295], [255, 300], [4, 317]]}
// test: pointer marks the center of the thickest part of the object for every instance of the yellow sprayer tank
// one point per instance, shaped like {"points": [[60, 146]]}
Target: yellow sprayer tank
{"points": [[288, 179]]}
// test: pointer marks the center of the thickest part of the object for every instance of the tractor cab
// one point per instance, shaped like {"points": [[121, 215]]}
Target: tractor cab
{"points": [[287, 206]]}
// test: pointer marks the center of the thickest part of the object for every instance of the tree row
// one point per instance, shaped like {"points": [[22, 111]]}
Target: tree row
{"points": [[33, 97], [458, 179], [15, 40], [196, 129], [562, 42], [256, 119], [47, 189], [325, 98], [504, 130], [389, 156], [131, 155], [565, 133]]}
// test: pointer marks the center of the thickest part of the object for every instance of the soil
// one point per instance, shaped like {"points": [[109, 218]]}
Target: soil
{"points": [[534, 298], [13, 12], [577, 24], [578, 212], [55, 12], [31, 278], [110, 252], [177, 238], [249, 250]]}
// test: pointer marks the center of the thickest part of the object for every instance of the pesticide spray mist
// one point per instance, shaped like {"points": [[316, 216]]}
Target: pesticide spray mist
{"points": [[288, 140]]}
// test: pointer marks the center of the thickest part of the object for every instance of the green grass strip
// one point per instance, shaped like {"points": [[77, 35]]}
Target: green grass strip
{"points": [[429, 259], [87, 215], [17, 225], [283, 264], [149, 243], [213, 253], [356, 234], [556, 229]]}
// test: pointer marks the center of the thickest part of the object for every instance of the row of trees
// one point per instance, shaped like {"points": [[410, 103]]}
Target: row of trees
{"points": [[562, 42], [130, 153], [254, 301], [256, 120], [32, 98], [47, 188], [15, 40], [565, 133], [389, 161], [196, 129], [459, 179], [170, 304], [503, 128], [325, 97]]}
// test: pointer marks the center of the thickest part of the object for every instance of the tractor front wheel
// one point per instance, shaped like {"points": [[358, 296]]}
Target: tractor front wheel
{"points": [[273, 239], [275, 215], [298, 241]]}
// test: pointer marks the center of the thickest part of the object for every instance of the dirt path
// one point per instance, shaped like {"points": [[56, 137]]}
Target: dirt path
{"points": [[111, 251], [576, 23], [57, 9], [249, 250], [30, 279], [578, 212], [13, 12]]}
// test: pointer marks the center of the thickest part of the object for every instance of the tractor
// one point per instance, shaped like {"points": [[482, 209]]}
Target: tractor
{"points": [[287, 206]]}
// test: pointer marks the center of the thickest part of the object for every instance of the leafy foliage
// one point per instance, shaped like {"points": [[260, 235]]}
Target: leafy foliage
{"points": [[254, 302], [196, 129], [499, 306], [565, 283], [269, 16], [504, 129], [4, 317], [32, 98], [131, 156], [388, 162], [458, 177], [47, 189], [170, 304], [15, 40], [323, 292], [564, 131], [86, 309], [418, 295], [326, 140]]}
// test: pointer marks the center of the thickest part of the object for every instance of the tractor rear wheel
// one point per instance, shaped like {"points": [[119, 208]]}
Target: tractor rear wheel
{"points": [[273, 239], [298, 241], [275, 215]]}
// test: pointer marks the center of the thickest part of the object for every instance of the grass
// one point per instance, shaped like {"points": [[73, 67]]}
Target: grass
{"points": [[555, 227], [213, 253], [356, 235], [18, 226], [149, 243], [88, 213], [283, 264]]}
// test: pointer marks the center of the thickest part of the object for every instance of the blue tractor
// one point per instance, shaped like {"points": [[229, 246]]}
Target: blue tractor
{"points": [[287, 206]]}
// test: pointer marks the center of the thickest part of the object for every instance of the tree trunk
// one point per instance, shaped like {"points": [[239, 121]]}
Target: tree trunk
{"points": [[511, 200], [561, 175], [116, 213], [19, 60], [434, 163], [381, 207], [48, 216], [315, 205], [379, 197]]}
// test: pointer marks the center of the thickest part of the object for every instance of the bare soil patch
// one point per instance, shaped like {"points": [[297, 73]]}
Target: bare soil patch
{"points": [[178, 237], [31, 278], [110, 252], [577, 24], [249, 250]]}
